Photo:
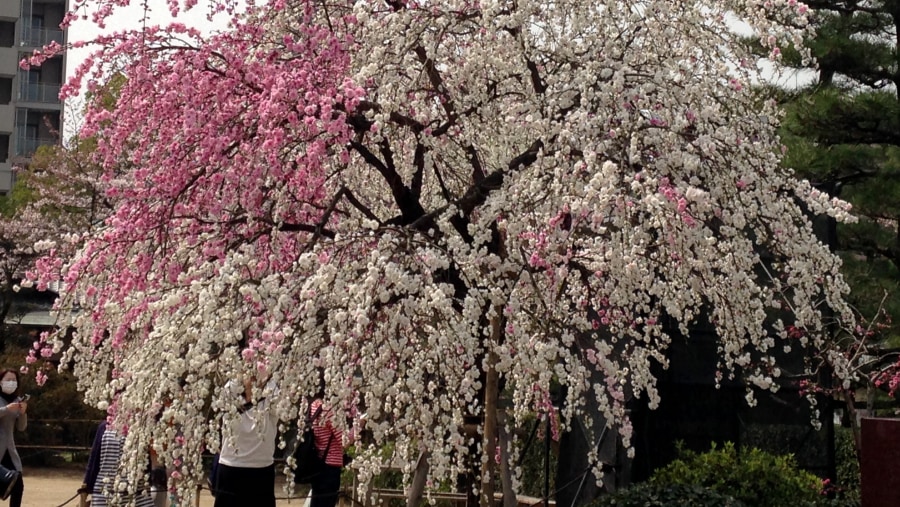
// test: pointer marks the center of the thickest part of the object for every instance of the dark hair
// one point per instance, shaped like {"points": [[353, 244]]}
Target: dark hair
{"points": [[15, 394]]}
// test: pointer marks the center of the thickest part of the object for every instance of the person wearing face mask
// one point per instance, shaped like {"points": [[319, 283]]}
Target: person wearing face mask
{"points": [[12, 415]]}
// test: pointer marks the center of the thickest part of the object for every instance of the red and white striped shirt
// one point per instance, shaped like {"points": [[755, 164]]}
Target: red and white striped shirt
{"points": [[325, 434]]}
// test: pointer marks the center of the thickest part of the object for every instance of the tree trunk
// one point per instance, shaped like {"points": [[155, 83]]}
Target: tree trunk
{"points": [[491, 395], [509, 496], [417, 488]]}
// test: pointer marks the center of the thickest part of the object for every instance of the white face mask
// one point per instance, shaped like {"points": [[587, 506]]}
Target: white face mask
{"points": [[9, 386]]}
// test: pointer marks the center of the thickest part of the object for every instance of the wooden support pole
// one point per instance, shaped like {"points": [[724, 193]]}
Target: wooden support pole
{"points": [[491, 398], [509, 496], [417, 488]]}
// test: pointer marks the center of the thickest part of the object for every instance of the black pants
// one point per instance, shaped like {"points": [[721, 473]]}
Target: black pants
{"points": [[15, 497], [325, 487], [244, 487]]}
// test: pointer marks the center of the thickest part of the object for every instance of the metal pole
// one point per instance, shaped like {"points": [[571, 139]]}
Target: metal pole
{"points": [[587, 470]]}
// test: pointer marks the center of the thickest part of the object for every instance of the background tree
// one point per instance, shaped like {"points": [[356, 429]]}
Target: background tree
{"points": [[52, 199], [843, 133], [55, 200], [59, 420], [423, 206]]}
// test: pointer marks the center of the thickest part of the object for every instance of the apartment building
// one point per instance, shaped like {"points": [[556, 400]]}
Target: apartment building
{"points": [[30, 109]]}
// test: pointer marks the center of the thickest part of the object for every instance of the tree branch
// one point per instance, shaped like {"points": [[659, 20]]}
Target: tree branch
{"points": [[407, 203], [478, 193]]}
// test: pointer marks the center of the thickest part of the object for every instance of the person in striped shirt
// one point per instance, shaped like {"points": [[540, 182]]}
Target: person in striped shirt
{"points": [[326, 485], [101, 478]]}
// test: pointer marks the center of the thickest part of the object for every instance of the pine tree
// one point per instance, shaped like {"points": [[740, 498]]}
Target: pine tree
{"points": [[843, 133]]}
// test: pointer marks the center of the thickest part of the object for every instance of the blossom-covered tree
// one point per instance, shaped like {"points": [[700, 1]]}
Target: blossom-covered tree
{"points": [[48, 203], [17, 251], [421, 205]]}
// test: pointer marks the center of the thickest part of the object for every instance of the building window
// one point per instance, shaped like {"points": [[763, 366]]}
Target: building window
{"points": [[35, 128], [37, 22], [34, 33], [5, 90], [4, 148], [7, 34], [36, 85]]}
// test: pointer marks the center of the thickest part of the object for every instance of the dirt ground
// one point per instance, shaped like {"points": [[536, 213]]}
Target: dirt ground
{"points": [[48, 487]]}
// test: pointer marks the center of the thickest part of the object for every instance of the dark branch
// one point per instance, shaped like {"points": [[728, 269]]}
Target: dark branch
{"points": [[407, 203], [320, 230], [305, 228], [479, 192], [419, 163], [360, 206]]}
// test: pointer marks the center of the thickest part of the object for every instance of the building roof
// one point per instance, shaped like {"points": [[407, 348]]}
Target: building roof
{"points": [[38, 318]]}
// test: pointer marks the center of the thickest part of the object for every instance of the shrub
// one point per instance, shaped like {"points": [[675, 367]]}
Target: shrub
{"points": [[666, 495], [847, 465], [754, 477]]}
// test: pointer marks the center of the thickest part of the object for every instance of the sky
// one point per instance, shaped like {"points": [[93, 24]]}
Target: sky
{"points": [[130, 17], [768, 70], [196, 17]]}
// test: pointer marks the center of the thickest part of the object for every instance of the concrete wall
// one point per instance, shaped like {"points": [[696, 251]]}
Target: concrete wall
{"points": [[6, 177], [9, 61], [7, 118], [10, 9]]}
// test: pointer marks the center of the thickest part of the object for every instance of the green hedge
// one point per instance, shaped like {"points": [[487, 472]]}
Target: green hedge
{"points": [[754, 477], [667, 495], [724, 477]]}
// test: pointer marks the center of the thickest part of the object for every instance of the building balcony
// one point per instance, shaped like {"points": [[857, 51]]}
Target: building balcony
{"points": [[10, 10], [39, 92], [39, 37], [7, 118], [26, 146]]}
